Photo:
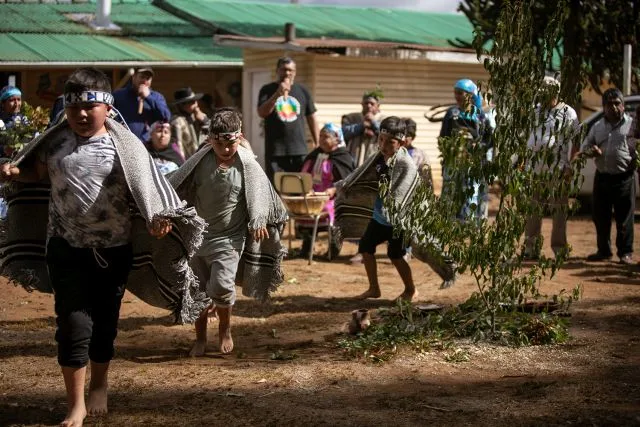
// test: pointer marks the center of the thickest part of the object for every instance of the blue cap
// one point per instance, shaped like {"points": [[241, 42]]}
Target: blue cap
{"points": [[467, 86]]}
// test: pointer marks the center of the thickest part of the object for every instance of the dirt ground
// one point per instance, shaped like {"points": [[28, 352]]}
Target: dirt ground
{"points": [[592, 380]]}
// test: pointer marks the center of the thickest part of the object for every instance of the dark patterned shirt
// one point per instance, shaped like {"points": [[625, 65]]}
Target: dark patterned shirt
{"points": [[89, 194]]}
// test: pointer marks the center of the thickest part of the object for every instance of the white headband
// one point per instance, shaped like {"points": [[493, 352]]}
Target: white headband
{"points": [[88, 96], [228, 136], [399, 136]]}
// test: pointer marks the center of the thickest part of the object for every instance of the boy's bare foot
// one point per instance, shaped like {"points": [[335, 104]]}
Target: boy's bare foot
{"points": [[75, 417], [370, 293], [226, 341], [97, 401], [408, 295], [198, 349]]}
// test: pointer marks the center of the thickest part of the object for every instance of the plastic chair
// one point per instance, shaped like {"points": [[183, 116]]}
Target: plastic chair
{"points": [[294, 188]]}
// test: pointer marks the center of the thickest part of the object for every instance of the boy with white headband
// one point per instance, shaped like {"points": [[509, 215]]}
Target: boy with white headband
{"points": [[244, 214], [95, 168], [359, 191]]}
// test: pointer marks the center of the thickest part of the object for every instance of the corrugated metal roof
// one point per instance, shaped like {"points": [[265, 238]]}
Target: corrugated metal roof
{"points": [[84, 48], [316, 21], [324, 43], [135, 18]]}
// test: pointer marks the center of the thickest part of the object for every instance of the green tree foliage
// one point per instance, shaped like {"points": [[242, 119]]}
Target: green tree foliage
{"points": [[14, 138], [591, 39], [492, 250]]}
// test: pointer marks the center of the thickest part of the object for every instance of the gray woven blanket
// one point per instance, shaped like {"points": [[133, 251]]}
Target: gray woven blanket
{"points": [[160, 276], [260, 268], [357, 192]]}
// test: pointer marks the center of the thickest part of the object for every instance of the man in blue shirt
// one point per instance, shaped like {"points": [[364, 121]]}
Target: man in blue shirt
{"points": [[139, 105]]}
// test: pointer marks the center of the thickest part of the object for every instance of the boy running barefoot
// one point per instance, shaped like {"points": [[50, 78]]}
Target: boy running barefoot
{"points": [[393, 164], [231, 192], [89, 238]]}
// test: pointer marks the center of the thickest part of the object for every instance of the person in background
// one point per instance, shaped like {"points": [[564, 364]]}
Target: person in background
{"points": [[190, 125], [419, 156], [327, 164], [613, 185], [10, 114], [364, 142], [139, 105], [165, 153], [467, 119], [555, 129], [284, 105]]}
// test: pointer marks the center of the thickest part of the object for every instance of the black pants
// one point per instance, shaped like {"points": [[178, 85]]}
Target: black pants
{"points": [[615, 192], [283, 164], [88, 287]]}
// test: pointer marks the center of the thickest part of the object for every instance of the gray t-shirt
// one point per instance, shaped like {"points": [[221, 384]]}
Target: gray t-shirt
{"points": [[220, 200], [89, 204]]}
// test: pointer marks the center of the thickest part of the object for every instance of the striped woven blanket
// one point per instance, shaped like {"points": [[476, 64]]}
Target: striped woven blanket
{"points": [[161, 275], [357, 193], [260, 269]]}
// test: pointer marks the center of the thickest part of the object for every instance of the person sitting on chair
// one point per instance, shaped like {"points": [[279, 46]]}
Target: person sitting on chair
{"points": [[327, 164]]}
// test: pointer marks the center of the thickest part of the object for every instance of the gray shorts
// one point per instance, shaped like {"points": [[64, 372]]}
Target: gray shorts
{"points": [[217, 275]]}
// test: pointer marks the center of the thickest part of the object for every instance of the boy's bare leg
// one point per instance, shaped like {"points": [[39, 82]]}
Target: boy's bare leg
{"points": [[74, 384], [371, 267], [224, 329], [212, 315], [199, 347], [404, 270], [97, 402]]}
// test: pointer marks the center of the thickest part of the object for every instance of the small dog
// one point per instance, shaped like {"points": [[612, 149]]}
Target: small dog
{"points": [[359, 321]]}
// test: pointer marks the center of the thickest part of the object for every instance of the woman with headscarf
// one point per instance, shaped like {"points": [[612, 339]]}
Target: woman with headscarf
{"points": [[165, 153], [327, 164], [466, 119], [10, 115]]}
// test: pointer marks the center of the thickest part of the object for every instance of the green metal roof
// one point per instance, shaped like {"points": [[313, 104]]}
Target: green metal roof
{"points": [[314, 21], [83, 48], [135, 18], [43, 33]]}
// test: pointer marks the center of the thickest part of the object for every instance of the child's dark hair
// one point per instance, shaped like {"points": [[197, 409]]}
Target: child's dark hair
{"points": [[394, 125], [412, 127], [226, 119], [87, 78]]}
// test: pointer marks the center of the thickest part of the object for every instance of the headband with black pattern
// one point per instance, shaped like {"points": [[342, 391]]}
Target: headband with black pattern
{"points": [[228, 136], [88, 96], [399, 136]]}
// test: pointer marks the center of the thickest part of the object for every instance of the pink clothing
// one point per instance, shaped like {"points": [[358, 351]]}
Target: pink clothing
{"points": [[322, 177]]}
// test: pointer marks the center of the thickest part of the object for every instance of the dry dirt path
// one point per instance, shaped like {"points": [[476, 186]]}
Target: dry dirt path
{"points": [[592, 380]]}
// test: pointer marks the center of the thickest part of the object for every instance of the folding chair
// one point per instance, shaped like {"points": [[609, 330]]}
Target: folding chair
{"points": [[294, 188]]}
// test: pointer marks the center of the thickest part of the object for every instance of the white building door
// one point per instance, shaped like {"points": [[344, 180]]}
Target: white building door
{"points": [[252, 82]]}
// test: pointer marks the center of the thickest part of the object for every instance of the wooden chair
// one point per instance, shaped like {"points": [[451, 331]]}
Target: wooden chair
{"points": [[295, 190]]}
